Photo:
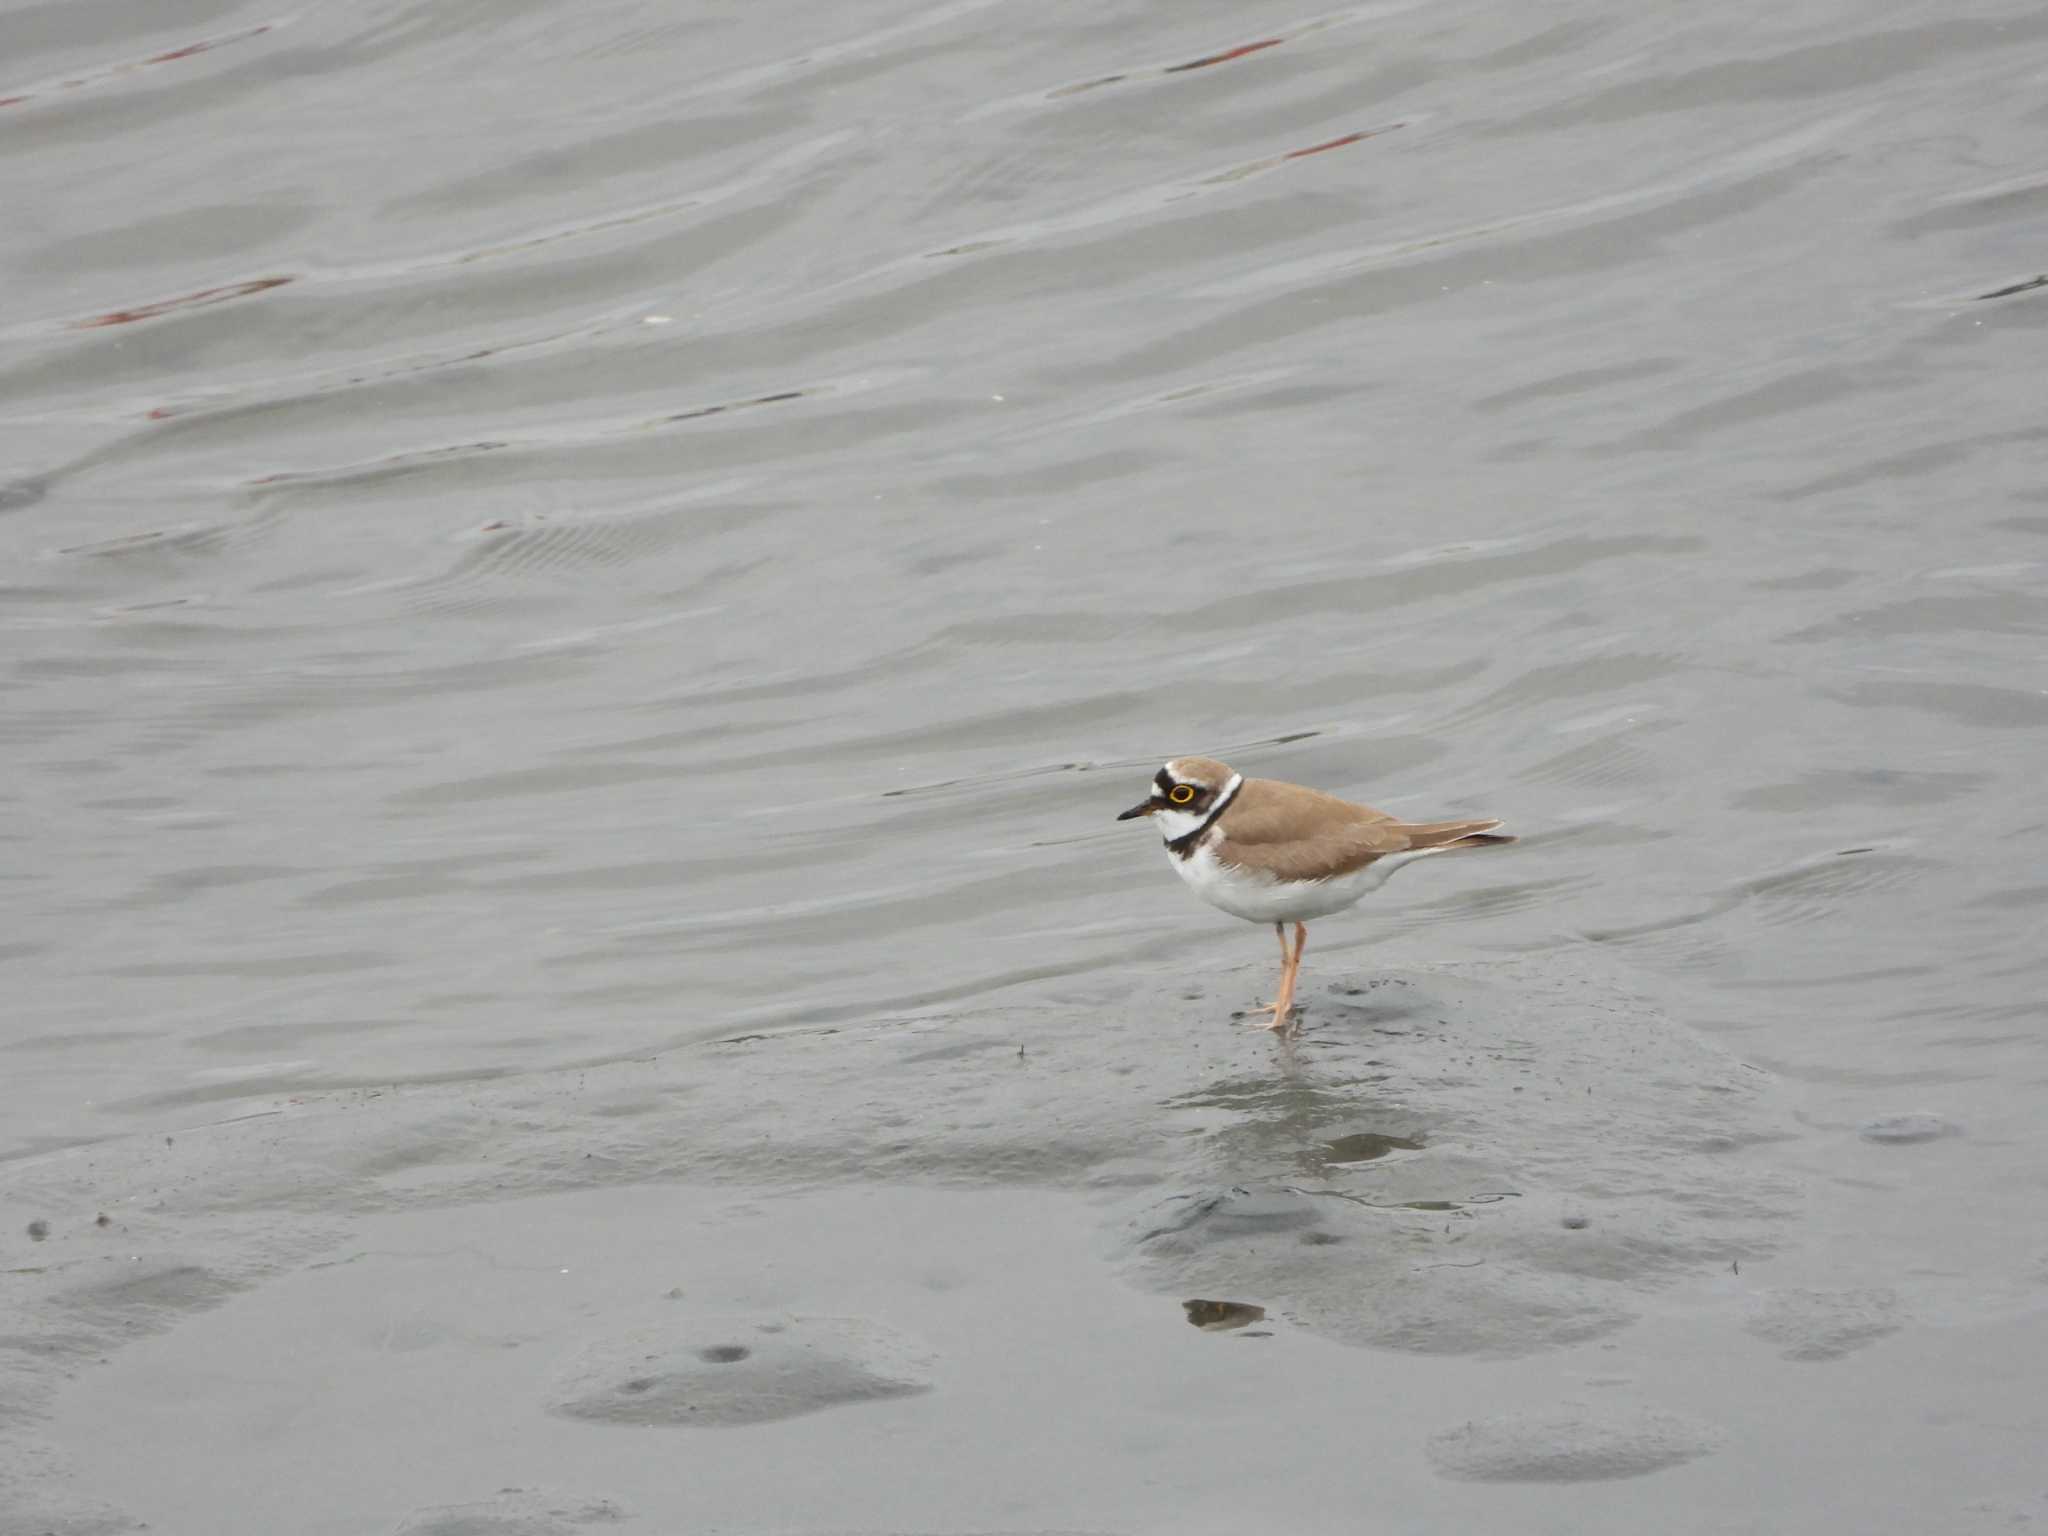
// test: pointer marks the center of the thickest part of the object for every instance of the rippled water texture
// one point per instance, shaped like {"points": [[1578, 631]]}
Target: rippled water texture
{"points": [[541, 540]]}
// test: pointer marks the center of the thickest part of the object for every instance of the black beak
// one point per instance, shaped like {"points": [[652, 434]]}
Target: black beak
{"points": [[1142, 808]]}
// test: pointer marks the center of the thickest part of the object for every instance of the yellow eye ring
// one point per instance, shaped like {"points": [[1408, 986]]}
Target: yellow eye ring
{"points": [[1181, 794]]}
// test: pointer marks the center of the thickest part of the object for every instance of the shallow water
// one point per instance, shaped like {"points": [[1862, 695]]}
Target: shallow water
{"points": [[540, 539]]}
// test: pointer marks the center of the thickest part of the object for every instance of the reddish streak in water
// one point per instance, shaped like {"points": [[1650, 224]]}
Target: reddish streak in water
{"points": [[1334, 144], [204, 45], [185, 52], [1225, 57], [186, 301]]}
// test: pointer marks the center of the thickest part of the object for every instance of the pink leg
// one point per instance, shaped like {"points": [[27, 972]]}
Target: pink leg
{"points": [[1290, 968], [1286, 959]]}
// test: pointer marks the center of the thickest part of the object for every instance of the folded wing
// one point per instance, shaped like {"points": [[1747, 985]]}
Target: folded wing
{"points": [[1295, 833]]}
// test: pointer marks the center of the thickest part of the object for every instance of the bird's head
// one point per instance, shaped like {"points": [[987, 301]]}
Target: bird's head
{"points": [[1184, 792]]}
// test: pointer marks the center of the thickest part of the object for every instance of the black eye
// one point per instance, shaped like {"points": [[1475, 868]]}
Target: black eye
{"points": [[1181, 794]]}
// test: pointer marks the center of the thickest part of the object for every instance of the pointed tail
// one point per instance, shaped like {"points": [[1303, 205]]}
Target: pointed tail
{"points": [[1480, 840], [1447, 836]]}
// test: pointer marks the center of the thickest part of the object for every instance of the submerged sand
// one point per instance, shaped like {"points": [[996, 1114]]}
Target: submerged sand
{"points": [[927, 1274]]}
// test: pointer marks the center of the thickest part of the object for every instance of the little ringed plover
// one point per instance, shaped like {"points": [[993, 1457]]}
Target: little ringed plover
{"points": [[1271, 852]]}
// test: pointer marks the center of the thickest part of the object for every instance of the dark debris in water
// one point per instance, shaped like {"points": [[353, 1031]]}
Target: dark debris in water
{"points": [[1367, 1146], [737, 405], [1222, 1316], [2013, 288]]}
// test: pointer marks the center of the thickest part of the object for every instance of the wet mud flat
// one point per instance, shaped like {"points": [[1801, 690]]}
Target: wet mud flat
{"points": [[1492, 1241]]}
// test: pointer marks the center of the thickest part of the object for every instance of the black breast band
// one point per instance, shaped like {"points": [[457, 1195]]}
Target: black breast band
{"points": [[1183, 847]]}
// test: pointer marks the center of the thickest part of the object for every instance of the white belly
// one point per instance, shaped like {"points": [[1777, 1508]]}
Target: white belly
{"points": [[1257, 899]]}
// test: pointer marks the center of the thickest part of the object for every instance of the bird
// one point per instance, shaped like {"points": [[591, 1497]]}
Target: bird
{"points": [[1273, 852]]}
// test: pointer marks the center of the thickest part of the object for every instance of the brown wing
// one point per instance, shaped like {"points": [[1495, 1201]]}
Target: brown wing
{"points": [[1296, 833]]}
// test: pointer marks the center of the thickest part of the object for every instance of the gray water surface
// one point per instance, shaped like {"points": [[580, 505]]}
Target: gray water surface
{"points": [[541, 539]]}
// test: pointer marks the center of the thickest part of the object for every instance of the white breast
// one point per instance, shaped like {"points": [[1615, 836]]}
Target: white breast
{"points": [[1259, 899]]}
